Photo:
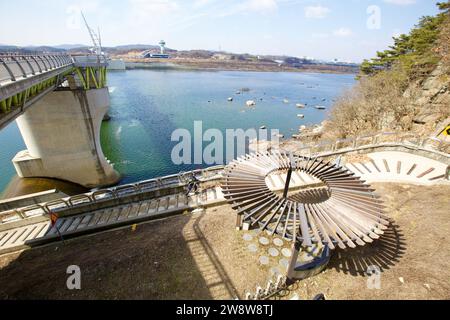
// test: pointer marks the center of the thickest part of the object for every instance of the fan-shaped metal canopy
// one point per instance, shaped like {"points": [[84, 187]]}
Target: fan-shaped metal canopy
{"points": [[341, 211]]}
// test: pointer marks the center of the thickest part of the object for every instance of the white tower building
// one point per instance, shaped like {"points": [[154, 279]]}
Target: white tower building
{"points": [[162, 44]]}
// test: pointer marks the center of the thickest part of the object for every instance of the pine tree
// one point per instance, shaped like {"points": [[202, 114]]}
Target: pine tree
{"points": [[412, 52]]}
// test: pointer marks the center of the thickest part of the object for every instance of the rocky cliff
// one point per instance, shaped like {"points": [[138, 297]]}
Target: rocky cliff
{"points": [[432, 103]]}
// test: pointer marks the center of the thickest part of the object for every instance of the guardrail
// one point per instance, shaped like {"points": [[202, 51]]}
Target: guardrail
{"points": [[434, 145], [25, 79], [18, 67], [176, 180]]}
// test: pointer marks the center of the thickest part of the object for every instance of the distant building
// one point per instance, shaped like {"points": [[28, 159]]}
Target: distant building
{"points": [[221, 56], [156, 56], [161, 55], [162, 45]]}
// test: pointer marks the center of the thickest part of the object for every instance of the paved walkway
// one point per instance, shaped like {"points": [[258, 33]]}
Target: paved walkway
{"points": [[400, 167]]}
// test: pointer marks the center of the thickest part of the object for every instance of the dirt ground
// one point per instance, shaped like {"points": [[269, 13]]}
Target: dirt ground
{"points": [[203, 257]]}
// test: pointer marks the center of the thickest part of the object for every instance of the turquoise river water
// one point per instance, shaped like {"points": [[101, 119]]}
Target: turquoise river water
{"points": [[147, 106]]}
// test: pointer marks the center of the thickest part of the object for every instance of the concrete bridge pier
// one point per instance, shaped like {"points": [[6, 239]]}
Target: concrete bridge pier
{"points": [[62, 135]]}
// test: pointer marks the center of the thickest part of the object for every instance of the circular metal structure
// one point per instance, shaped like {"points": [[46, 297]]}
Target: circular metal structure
{"points": [[339, 210]]}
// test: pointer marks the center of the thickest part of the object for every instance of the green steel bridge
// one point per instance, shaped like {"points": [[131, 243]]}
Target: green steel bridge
{"points": [[25, 79]]}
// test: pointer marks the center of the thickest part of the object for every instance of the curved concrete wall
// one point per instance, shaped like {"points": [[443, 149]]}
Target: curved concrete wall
{"points": [[62, 135]]}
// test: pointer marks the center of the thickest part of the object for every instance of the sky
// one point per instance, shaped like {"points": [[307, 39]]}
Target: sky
{"points": [[347, 30]]}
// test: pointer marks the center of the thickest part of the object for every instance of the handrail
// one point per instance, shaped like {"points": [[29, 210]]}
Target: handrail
{"points": [[96, 196], [27, 76], [19, 67]]}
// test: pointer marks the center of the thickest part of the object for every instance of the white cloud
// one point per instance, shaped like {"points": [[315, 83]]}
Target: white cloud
{"points": [[89, 8], [401, 2], [343, 32], [369, 44], [249, 6], [153, 7], [262, 5], [316, 12], [150, 13], [320, 35], [201, 3]]}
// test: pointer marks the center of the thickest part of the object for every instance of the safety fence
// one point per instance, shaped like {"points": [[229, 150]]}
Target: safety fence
{"points": [[18, 67], [25, 79], [105, 195]]}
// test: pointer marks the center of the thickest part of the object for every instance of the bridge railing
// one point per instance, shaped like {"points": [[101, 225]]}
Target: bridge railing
{"points": [[176, 180], [18, 67]]}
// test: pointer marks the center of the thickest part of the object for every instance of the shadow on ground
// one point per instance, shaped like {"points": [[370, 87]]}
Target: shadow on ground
{"points": [[167, 259], [383, 253]]}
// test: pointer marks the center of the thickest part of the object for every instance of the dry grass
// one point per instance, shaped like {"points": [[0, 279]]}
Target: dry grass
{"points": [[375, 104], [443, 47]]}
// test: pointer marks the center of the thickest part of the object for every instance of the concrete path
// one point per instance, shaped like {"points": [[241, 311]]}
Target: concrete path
{"points": [[400, 167]]}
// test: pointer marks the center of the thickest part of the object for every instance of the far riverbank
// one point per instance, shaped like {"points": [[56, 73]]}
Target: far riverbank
{"points": [[248, 66]]}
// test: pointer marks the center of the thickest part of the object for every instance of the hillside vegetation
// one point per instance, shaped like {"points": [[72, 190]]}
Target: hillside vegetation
{"points": [[405, 88]]}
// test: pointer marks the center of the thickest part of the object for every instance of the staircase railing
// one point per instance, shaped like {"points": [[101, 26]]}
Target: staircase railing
{"points": [[107, 194]]}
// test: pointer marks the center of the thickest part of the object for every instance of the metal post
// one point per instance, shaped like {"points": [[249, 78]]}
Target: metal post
{"points": [[295, 253], [288, 180], [239, 222]]}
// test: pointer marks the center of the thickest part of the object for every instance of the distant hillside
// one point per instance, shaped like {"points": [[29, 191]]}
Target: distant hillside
{"points": [[130, 47], [4, 47], [200, 58], [29, 49], [42, 49], [70, 46]]}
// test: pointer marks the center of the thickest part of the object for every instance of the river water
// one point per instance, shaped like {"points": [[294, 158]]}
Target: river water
{"points": [[148, 105]]}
